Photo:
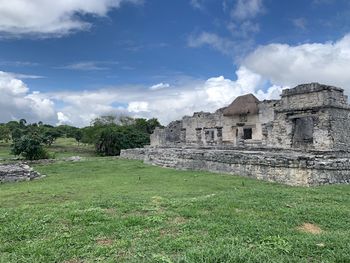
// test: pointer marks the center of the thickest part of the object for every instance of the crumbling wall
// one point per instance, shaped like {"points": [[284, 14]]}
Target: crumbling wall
{"points": [[339, 120], [157, 138], [171, 134], [200, 120]]}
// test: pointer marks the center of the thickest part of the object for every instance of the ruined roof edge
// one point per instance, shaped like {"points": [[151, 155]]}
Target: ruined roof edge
{"points": [[308, 88]]}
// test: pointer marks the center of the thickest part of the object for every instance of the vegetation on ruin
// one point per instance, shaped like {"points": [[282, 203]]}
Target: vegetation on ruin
{"points": [[106, 209]]}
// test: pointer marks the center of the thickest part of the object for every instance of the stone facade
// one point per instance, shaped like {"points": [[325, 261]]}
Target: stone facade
{"points": [[301, 139], [309, 116]]}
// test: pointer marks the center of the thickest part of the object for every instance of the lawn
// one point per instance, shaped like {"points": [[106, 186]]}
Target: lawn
{"points": [[113, 210], [5, 151], [61, 148]]}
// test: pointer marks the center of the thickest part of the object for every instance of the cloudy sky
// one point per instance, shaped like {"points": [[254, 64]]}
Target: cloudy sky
{"points": [[69, 61]]}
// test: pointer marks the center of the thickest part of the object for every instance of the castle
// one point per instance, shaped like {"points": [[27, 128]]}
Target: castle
{"points": [[301, 139]]}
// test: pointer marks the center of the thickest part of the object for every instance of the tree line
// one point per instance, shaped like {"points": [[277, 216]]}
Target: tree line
{"points": [[109, 134]]}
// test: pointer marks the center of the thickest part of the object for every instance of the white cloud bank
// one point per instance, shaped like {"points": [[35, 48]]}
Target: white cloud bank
{"points": [[16, 101], [283, 64], [164, 101], [264, 73], [51, 18]]}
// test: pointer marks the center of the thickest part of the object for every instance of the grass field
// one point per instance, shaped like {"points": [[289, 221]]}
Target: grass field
{"points": [[112, 210], [62, 147], [5, 151]]}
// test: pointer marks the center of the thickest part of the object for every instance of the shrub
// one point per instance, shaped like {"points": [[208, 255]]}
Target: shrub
{"points": [[112, 139], [30, 147]]}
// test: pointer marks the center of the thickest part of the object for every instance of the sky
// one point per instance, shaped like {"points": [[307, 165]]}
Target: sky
{"points": [[70, 61]]}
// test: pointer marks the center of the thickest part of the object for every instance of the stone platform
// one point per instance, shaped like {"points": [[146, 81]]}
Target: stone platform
{"points": [[294, 168]]}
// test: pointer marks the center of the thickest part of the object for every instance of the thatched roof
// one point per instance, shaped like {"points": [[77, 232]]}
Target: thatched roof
{"points": [[246, 104]]}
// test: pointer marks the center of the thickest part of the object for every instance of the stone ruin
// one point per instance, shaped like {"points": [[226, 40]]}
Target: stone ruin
{"points": [[17, 172], [301, 139]]}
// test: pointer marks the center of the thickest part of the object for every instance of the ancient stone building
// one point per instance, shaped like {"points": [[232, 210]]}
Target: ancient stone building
{"points": [[310, 116], [301, 139]]}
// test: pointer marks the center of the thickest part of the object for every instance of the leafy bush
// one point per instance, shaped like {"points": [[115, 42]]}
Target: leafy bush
{"points": [[30, 147], [112, 139]]}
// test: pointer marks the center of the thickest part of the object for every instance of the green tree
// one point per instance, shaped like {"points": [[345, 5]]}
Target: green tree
{"points": [[113, 139], [22, 123], [5, 133], [16, 134], [12, 125], [49, 136], [78, 135], [30, 147]]}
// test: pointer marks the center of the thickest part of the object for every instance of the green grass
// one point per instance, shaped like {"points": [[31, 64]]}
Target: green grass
{"points": [[61, 148], [66, 147], [5, 151], [112, 210]]}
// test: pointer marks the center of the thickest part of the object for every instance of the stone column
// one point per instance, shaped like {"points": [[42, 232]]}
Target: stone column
{"points": [[240, 140], [199, 136], [219, 135]]}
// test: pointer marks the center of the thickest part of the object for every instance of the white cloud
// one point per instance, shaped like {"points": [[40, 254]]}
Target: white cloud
{"points": [[165, 104], [160, 86], [300, 23], [62, 118], [80, 107], [290, 65], [224, 45], [47, 18], [247, 9], [16, 101], [241, 25], [264, 72], [196, 4], [90, 65], [84, 66], [138, 106]]}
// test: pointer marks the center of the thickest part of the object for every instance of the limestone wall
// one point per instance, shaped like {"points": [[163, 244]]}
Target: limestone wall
{"points": [[287, 167], [231, 126], [339, 120], [312, 95]]}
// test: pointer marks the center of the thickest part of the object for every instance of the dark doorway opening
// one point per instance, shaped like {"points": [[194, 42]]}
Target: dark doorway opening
{"points": [[247, 133], [303, 132]]}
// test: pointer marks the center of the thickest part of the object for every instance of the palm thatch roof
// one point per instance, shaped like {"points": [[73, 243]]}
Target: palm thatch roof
{"points": [[246, 104]]}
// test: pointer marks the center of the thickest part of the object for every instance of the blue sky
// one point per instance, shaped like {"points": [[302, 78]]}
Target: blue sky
{"points": [[71, 61]]}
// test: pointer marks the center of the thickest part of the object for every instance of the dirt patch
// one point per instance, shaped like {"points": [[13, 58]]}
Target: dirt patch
{"points": [[73, 261], [110, 211], [179, 220], [104, 241], [310, 228]]}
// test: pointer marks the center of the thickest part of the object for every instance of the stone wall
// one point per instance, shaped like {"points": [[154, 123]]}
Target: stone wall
{"points": [[311, 117], [134, 154], [312, 95], [287, 167], [339, 120], [17, 172]]}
